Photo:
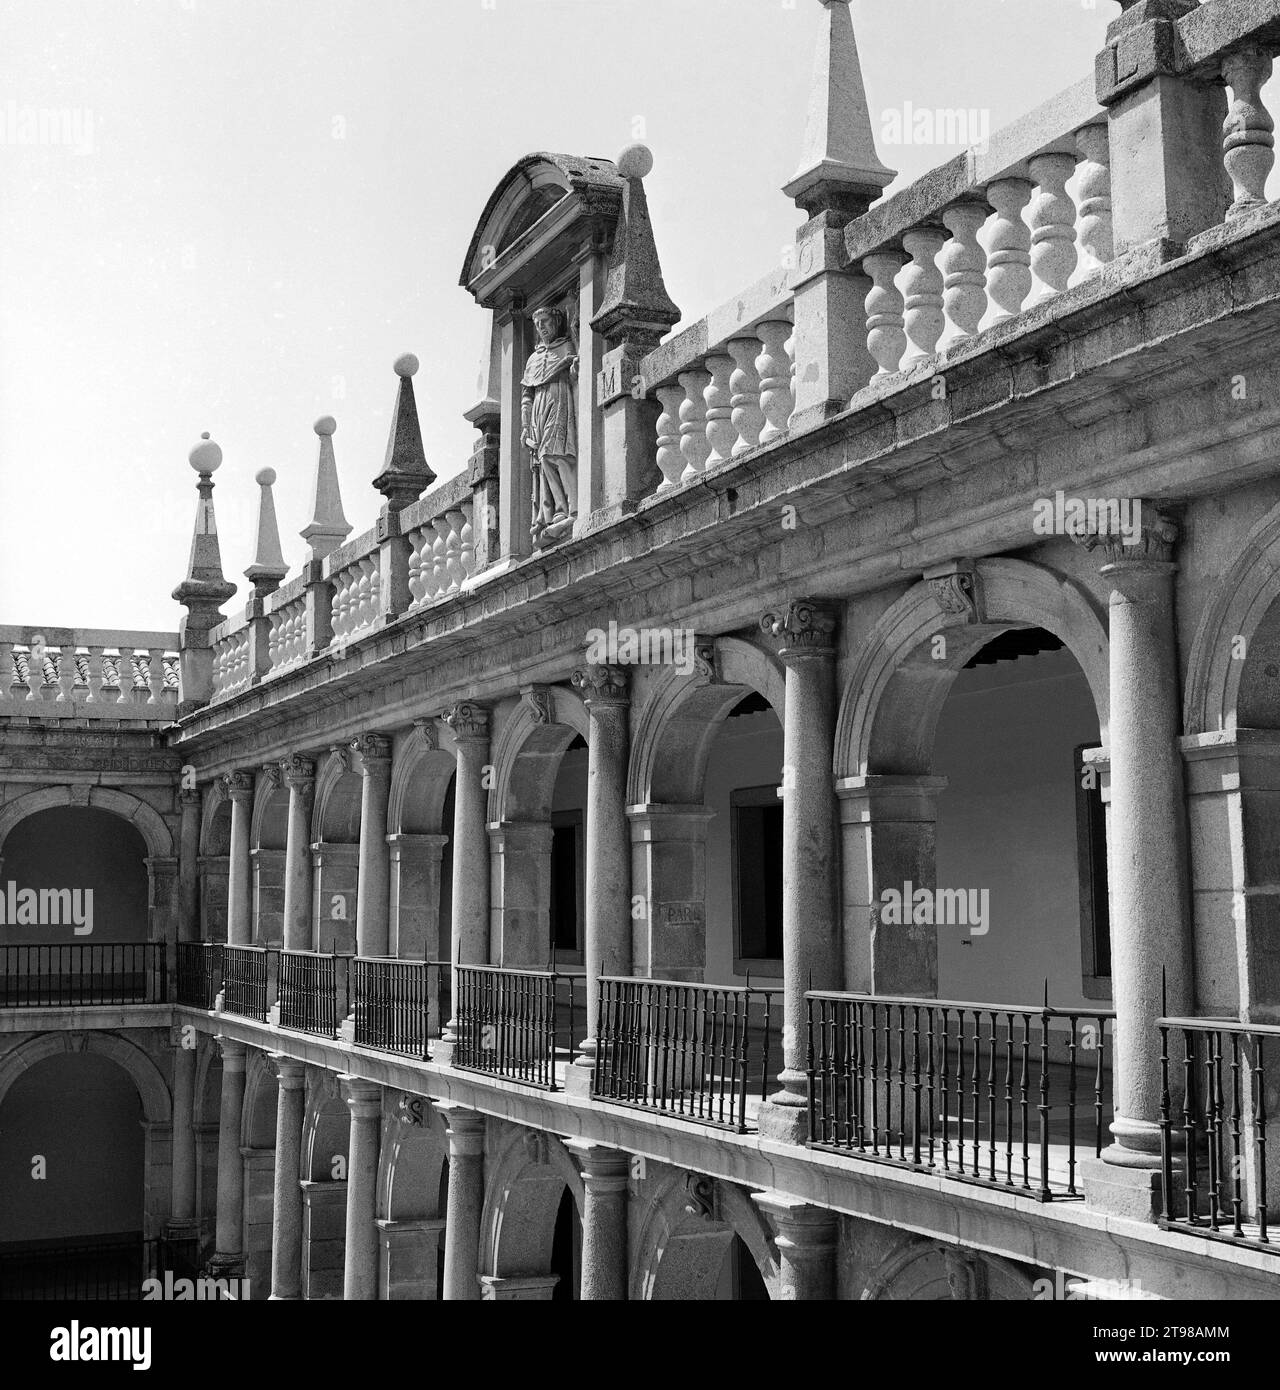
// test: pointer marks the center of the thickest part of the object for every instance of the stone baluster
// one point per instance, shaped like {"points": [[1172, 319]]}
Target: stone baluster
{"points": [[369, 595], [744, 388], [419, 563], [155, 674], [96, 676], [695, 445], [718, 396], [1093, 198], [774, 368], [1249, 144], [8, 670], [886, 341], [67, 674], [1052, 216], [453, 556], [1009, 251], [339, 607], [467, 541], [922, 293], [440, 556], [670, 461], [964, 274]]}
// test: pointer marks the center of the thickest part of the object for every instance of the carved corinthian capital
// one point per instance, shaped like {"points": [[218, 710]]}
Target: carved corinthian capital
{"points": [[373, 748], [805, 624], [1147, 537], [601, 685], [299, 773], [467, 720]]}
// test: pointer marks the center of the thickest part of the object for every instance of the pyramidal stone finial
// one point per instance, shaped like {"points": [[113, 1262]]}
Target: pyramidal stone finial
{"points": [[204, 587], [405, 474], [637, 309], [839, 168], [268, 567], [328, 526]]}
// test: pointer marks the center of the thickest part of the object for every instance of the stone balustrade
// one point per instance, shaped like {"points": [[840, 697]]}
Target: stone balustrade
{"points": [[725, 384], [287, 643], [88, 673], [353, 573], [442, 547], [231, 668]]}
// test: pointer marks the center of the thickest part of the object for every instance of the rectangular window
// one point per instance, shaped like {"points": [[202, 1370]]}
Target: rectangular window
{"points": [[756, 828], [1095, 913], [567, 884]]}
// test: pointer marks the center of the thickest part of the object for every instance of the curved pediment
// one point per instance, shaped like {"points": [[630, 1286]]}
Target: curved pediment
{"points": [[528, 194]]}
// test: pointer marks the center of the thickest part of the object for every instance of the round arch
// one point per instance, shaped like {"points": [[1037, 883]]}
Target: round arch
{"points": [[269, 823], [149, 823], [680, 718], [678, 1254], [326, 1129], [1222, 691], [215, 820], [153, 1091], [411, 1162], [526, 756], [927, 1271], [258, 1110], [420, 775], [895, 692], [335, 818], [522, 1199]]}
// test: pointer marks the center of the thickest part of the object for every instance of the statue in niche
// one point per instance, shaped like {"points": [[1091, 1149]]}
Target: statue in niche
{"points": [[549, 426]]}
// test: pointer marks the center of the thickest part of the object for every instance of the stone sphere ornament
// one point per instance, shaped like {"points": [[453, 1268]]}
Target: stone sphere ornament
{"points": [[265, 477], [406, 364], [206, 457], [636, 162], [326, 424]]}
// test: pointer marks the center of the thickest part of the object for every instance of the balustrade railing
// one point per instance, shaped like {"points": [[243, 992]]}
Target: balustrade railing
{"points": [[312, 991], [399, 1005], [232, 671], [244, 981], [441, 555], [515, 1023], [75, 975], [112, 1268], [1214, 1123], [87, 673], [995, 1094], [199, 973], [287, 643], [699, 1052]]}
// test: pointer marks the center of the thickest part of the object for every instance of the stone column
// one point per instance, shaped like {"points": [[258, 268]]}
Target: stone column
{"points": [[465, 1131], [806, 1238], [470, 725], [182, 1211], [1147, 854], [608, 868], [286, 1216], [228, 1259], [810, 918], [373, 890], [604, 1223], [190, 803], [360, 1273], [300, 777], [239, 787]]}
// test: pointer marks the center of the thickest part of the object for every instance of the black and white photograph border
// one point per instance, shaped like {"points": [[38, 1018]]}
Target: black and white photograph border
{"points": [[773, 805]]}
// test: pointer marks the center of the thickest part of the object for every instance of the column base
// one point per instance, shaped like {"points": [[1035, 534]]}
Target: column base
{"points": [[442, 1051], [783, 1123], [578, 1076], [525, 1288], [347, 1030], [225, 1267], [284, 1298], [1130, 1192], [182, 1230]]}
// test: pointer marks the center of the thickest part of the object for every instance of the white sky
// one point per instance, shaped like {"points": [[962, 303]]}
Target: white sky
{"points": [[214, 258]]}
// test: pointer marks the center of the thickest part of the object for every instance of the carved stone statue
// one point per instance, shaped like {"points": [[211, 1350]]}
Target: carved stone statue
{"points": [[549, 427]]}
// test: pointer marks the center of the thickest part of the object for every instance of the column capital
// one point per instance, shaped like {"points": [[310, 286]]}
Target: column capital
{"points": [[190, 798], [799, 1225], [234, 1053], [374, 750], [238, 785], [1145, 541], [298, 773], [599, 684], [464, 1128], [804, 627], [468, 720], [291, 1073], [363, 1097], [603, 1169]]}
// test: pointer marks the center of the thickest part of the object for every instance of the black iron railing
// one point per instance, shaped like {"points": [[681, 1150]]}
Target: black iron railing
{"points": [[400, 1005], [199, 973], [121, 972], [244, 981], [109, 1267], [1213, 1124], [995, 1094], [700, 1052], [514, 1023], [309, 990]]}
